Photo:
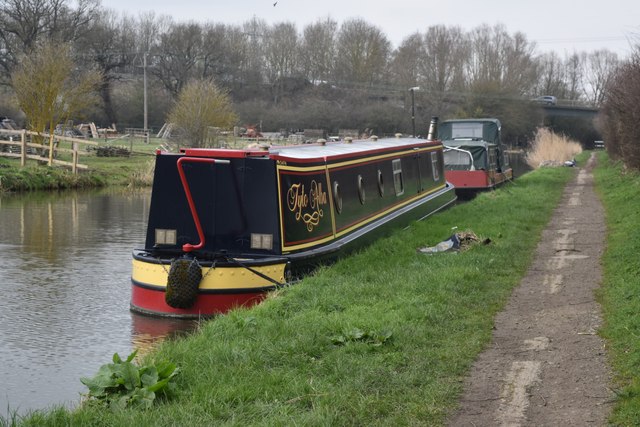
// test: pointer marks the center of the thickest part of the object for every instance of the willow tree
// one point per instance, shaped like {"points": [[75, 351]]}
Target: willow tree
{"points": [[200, 106], [50, 90]]}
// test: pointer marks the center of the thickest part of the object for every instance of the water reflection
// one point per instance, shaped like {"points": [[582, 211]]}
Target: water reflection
{"points": [[65, 262], [149, 331]]}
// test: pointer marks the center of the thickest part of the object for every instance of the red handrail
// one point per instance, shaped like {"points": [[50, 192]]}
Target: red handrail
{"points": [[187, 247]]}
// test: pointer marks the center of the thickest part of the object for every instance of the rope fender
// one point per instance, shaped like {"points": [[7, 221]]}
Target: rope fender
{"points": [[183, 282]]}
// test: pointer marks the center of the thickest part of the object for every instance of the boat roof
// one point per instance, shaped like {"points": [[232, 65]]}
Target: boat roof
{"points": [[482, 120], [340, 149], [317, 151], [487, 129], [467, 142]]}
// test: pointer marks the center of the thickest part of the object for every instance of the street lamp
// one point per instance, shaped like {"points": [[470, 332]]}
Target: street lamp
{"points": [[413, 108]]}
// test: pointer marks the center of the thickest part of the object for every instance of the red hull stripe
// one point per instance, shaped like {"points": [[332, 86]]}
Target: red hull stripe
{"points": [[152, 301], [209, 291]]}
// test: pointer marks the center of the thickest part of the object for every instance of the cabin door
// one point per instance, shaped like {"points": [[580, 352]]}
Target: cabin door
{"points": [[425, 175]]}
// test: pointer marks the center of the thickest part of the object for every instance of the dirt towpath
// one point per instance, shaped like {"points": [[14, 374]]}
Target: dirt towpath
{"points": [[546, 365]]}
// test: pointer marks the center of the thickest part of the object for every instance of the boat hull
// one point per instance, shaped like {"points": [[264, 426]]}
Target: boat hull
{"points": [[254, 220], [467, 183], [223, 287]]}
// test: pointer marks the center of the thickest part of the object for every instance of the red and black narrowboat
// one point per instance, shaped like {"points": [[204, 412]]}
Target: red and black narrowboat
{"points": [[233, 224], [474, 157]]}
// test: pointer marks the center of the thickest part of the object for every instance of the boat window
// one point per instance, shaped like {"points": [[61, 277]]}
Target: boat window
{"points": [[165, 237], [337, 197], [492, 158], [434, 166], [380, 183], [466, 130], [398, 185], [505, 158], [361, 194]]}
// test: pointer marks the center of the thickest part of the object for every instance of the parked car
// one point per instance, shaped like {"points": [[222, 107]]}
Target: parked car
{"points": [[546, 100]]}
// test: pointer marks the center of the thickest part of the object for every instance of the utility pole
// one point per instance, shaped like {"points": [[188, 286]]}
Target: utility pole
{"points": [[144, 79], [413, 108]]}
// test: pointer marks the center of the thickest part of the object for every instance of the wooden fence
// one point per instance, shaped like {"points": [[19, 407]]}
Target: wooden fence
{"points": [[19, 143]]}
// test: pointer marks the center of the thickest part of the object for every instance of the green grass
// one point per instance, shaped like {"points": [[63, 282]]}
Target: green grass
{"points": [[620, 293], [103, 171], [136, 170], [278, 364]]}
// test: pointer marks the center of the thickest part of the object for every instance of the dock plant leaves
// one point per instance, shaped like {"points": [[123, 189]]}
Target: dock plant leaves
{"points": [[123, 384]]}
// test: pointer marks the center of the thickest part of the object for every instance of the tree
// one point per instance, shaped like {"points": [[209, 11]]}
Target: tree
{"points": [[551, 76], [317, 51], [407, 61], [446, 50], [621, 113], [49, 90], [574, 75], [200, 106], [25, 22], [501, 60], [363, 53], [178, 57], [110, 46], [600, 67], [281, 48]]}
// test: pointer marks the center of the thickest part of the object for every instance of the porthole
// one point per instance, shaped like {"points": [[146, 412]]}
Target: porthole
{"points": [[361, 194], [337, 197], [380, 183]]}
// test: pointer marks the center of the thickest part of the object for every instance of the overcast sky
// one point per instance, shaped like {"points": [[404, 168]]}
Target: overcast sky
{"points": [[565, 26]]}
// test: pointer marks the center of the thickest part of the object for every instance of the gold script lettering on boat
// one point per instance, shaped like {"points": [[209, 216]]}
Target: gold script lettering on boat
{"points": [[307, 206]]}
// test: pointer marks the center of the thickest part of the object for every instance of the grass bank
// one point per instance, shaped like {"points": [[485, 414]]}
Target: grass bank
{"points": [[103, 171], [383, 337], [620, 293]]}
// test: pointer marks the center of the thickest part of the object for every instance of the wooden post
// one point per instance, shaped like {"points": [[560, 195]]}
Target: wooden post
{"points": [[23, 148], [74, 166], [51, 149]]}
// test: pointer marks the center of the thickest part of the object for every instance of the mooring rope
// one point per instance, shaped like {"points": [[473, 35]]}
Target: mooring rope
{"points": [[232, 260]]}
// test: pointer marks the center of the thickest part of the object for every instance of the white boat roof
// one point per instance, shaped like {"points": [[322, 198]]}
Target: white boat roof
{"points": [[340, 148]]}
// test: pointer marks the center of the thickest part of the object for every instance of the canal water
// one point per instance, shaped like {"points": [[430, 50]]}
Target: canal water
{"points": [[65, 265]]}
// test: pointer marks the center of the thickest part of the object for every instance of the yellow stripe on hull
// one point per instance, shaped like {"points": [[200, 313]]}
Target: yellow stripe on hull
{"points": [[218, 278]]}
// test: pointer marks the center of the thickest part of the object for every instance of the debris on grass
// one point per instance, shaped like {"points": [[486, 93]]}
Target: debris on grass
{"points": [[457, 242]]}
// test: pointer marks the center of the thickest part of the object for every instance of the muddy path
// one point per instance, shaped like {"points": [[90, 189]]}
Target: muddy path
{"points": [[546, 365]]}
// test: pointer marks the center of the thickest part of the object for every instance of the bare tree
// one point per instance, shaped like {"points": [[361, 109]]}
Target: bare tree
{"points": [[24, 22], [237, 55], [318, 50], [599, 68], [214, 54], [551, 75], [178, 57], [574, 75], [281, 53], [446, 52], [501, 61], [621, 111], [407, 62], [253, 71], [110, 46], [362, 53]]}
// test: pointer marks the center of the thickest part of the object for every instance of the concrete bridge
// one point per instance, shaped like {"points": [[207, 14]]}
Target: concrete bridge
{"points": [[577, 122]]}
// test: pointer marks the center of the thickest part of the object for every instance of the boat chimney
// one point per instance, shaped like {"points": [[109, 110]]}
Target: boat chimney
{"points": [[374, 137], [398, 135], [433, 129], [322, 141], [348, 139]]}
